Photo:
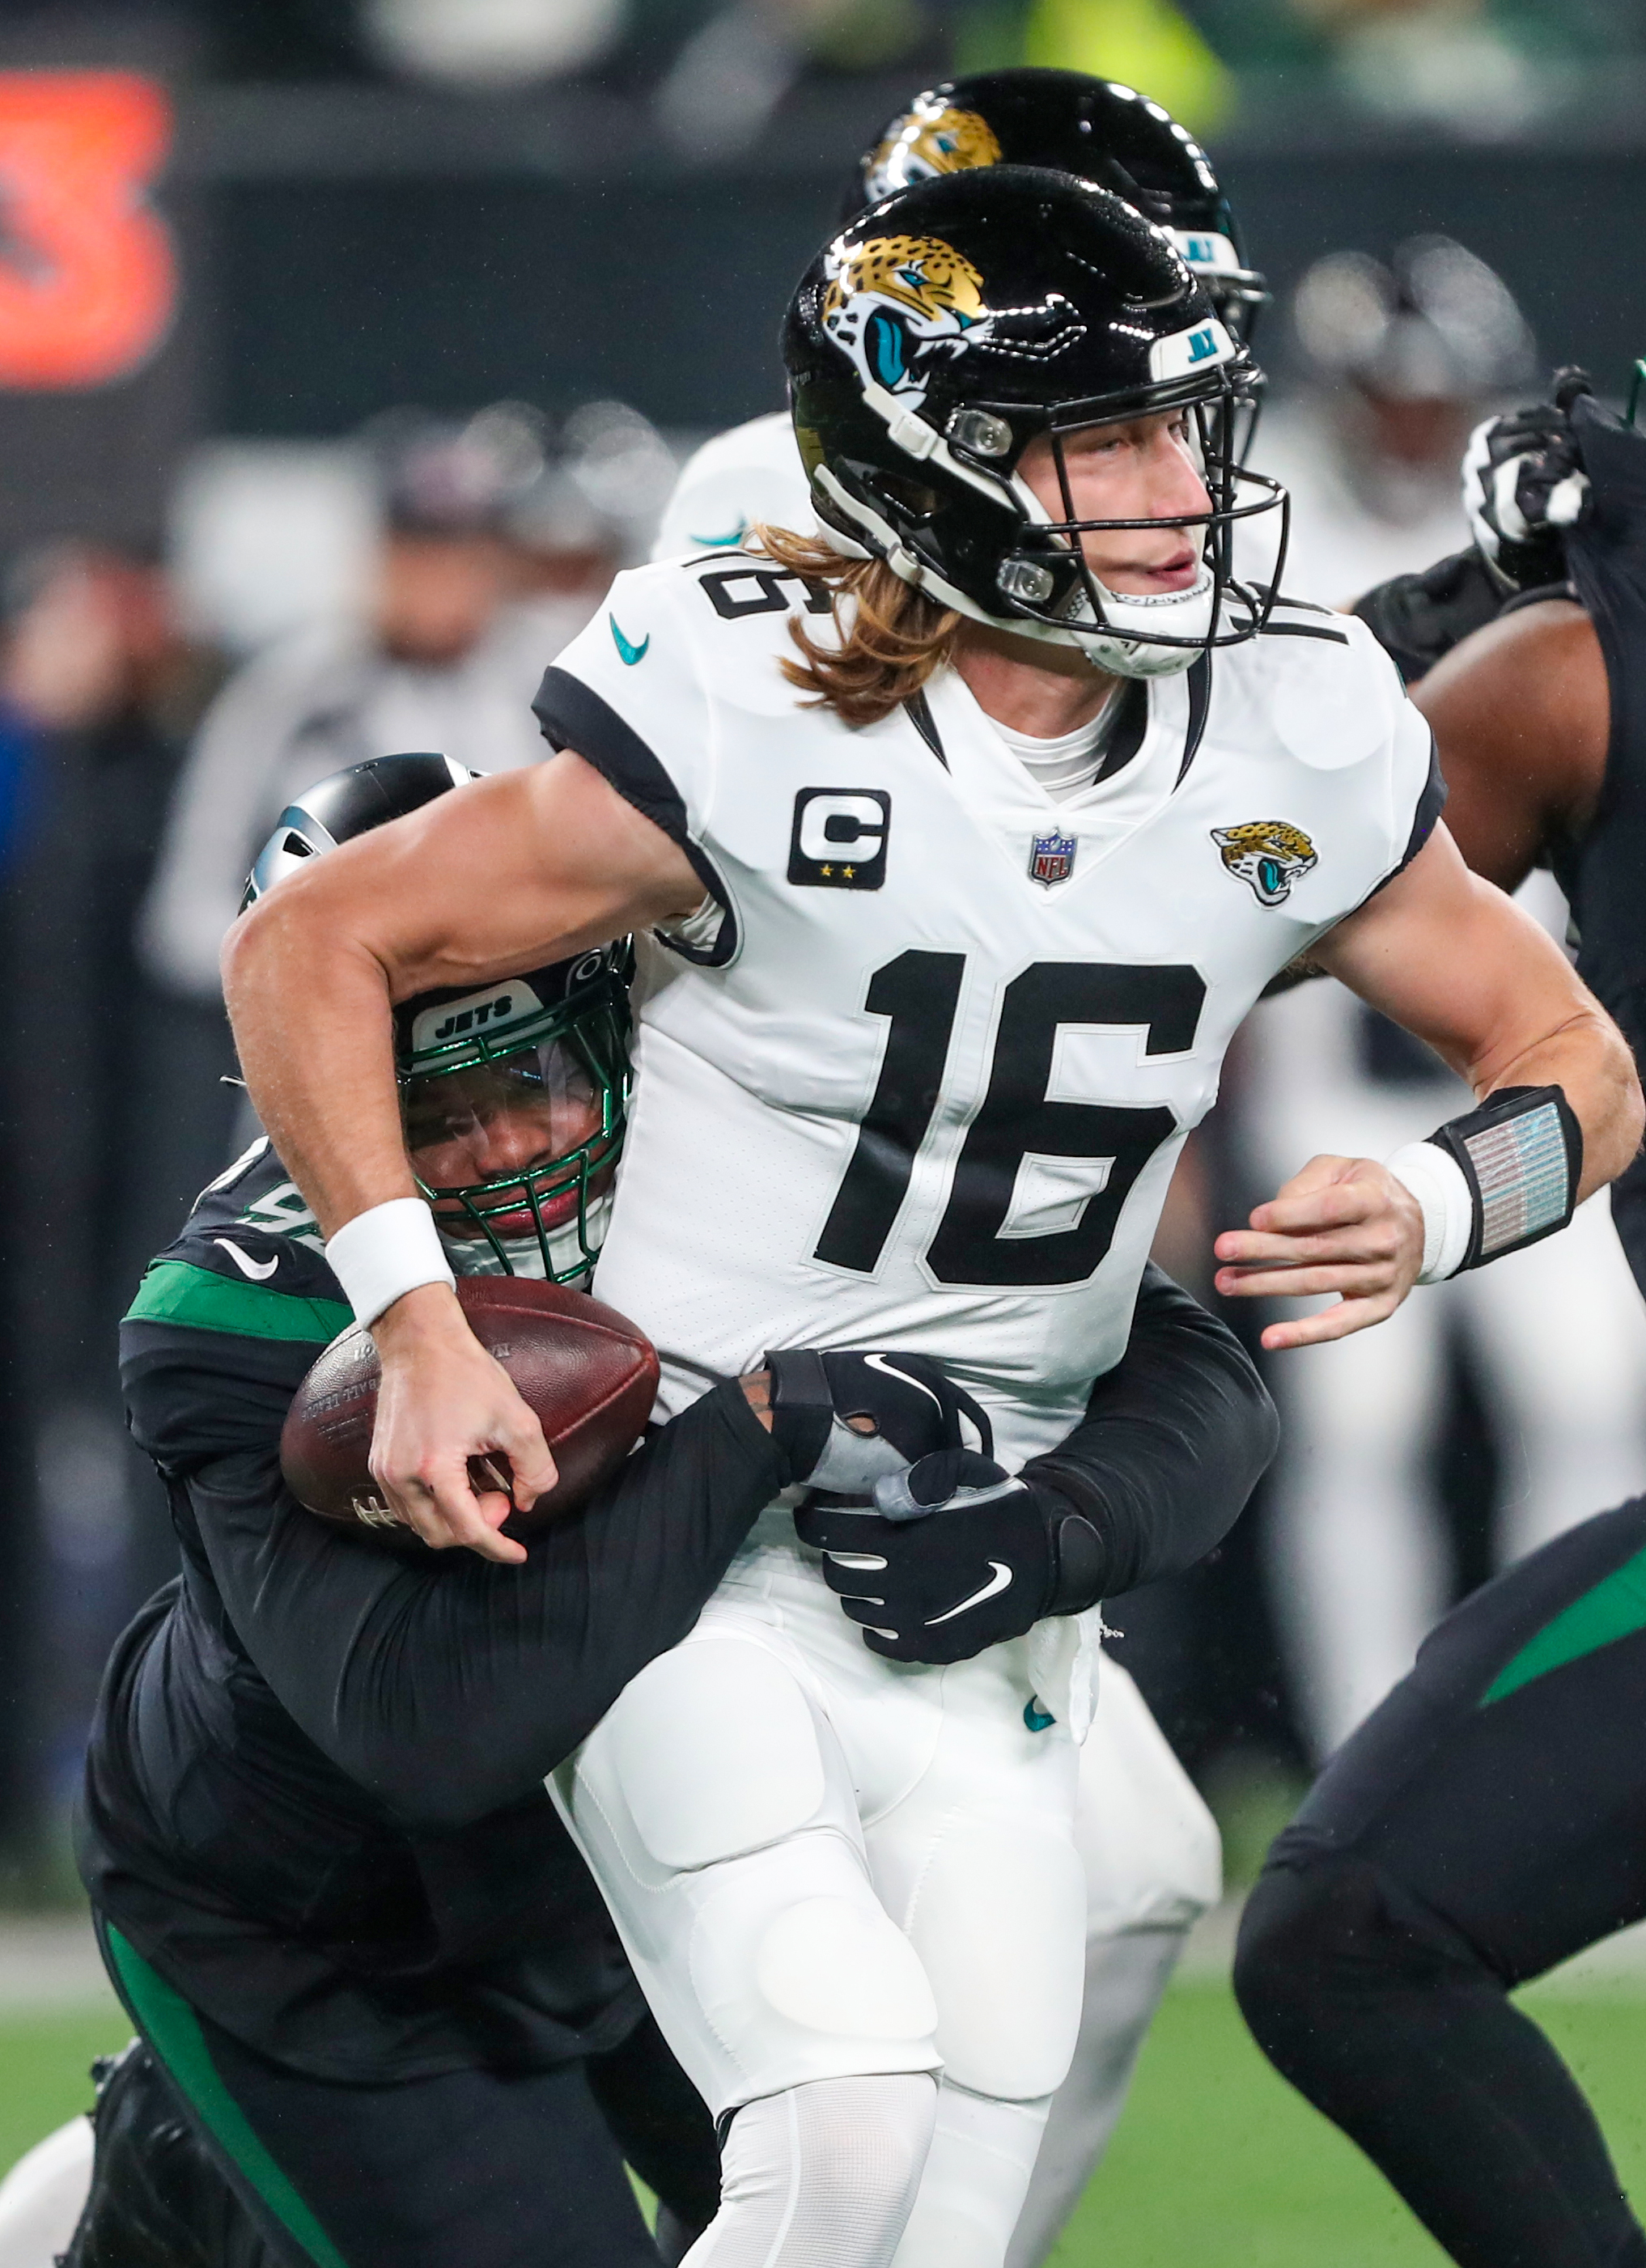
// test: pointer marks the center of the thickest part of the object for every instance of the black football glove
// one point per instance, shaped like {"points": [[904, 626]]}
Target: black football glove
{"points": [[905, 1407], [1524, 486], [954, 1556]]}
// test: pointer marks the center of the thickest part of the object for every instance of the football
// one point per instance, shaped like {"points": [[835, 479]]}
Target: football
{"points": [[588, 1373]]}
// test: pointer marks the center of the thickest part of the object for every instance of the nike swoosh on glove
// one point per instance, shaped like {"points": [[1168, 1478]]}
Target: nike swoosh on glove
{"points": [[1524, 485], [956, 1555], [905, 1405]]}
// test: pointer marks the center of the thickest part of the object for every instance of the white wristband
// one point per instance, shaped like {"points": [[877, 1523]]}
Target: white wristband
{"points": [[1442, 1188], [386, 1252]]}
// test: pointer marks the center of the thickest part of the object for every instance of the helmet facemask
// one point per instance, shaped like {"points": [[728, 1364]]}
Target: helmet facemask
{"points": [[1149, 635], [515, 1131], [1047, 588]]}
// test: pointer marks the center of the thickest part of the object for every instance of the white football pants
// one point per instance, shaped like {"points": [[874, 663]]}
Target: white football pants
{"points": [[754, 1899], [827, 1867]]}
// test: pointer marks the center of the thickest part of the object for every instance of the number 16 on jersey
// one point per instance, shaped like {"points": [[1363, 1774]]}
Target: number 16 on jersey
{"points": [[920, 993]]}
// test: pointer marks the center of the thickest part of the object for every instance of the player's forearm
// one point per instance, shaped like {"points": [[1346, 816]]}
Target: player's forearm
{"points": [[1174, 1441], [1589, 1060], [309, 1004]]}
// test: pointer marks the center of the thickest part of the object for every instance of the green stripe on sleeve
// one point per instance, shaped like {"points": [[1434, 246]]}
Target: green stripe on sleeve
{"points": [[173, 1291], [1614, 1608], [173, 2030]]}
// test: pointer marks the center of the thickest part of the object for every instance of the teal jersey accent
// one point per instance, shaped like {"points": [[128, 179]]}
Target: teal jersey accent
{"points": [[626, 647], [1615, 1609], [1035, 1717], [174, 1291], [721, 542]]}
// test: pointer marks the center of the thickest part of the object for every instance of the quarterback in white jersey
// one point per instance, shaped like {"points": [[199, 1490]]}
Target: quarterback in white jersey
{"points": [[918, 1042], [1149, 1846]]}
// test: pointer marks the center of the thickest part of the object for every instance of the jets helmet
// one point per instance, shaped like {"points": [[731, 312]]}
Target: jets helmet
{"points": [[947, 327], [545, 1054], [1095, 128]]}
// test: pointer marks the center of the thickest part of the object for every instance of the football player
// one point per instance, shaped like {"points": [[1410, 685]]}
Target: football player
{"points": [[1148, 1844], [919, 1045], [1486, 1821], [384, 2018]]}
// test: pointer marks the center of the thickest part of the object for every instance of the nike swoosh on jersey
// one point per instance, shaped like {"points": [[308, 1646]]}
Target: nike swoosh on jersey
{"points": [[998, 1582], [259, 1271], [721, 542], [628, 651]]}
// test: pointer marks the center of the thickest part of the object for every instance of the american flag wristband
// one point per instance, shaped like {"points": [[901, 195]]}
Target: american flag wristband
{"points": [[1506, 1175]]}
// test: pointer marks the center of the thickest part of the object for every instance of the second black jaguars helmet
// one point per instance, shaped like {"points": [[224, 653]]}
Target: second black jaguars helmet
{"points": [[551, 1043], [1095, 128], [950, 326]]}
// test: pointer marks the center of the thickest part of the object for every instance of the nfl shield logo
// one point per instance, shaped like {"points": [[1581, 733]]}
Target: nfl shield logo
{"points": [[1052, 858]]}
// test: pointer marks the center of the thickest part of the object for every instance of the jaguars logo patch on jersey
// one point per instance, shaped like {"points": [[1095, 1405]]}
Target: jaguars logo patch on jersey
{"points": [[933, 138], [1270, 854]]}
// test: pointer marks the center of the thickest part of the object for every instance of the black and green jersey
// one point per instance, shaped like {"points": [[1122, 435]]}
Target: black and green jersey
{"points": [[314, 1798]]}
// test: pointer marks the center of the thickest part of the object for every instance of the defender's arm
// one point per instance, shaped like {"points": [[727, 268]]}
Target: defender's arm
{"points": [[514, 872], [1522, 718]]}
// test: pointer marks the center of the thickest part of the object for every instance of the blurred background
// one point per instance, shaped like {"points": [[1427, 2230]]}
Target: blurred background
{"points": [[347, 347]]}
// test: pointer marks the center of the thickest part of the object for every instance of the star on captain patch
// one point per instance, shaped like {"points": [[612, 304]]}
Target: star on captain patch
{"points": [[1052, 858]]}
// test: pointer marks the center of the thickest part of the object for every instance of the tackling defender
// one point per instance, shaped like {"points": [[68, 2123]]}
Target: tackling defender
{"points": [[917, 1051]]}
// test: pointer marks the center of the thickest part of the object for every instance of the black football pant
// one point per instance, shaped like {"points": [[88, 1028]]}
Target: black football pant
{"points": [[1487, 1822], [468, 2169]]}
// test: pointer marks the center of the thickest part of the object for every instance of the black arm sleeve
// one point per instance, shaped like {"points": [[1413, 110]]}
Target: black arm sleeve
{"points": [[1175, 1438], [449, 1688], [1418, 619]]}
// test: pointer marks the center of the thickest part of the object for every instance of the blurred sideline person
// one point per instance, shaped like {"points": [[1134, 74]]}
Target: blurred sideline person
{"points": [[514, 1148], [1400, 360], [1148, 1844], [919, 1066], [100, 690], [1489, 1821], [463, 613]]}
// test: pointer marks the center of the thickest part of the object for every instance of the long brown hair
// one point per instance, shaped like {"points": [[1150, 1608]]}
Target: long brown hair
{"points": [[891, 637]]}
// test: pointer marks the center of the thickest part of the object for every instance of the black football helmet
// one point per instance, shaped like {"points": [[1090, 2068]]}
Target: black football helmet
{"points": [[948, 327], [1095, 128], [549, 1048]]}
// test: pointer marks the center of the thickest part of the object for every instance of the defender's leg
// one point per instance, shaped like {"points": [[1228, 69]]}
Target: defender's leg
{"points": [[1489, 1820]]}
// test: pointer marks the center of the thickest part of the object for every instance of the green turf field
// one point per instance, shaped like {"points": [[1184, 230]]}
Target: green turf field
{"points": [[1216, 2161]]}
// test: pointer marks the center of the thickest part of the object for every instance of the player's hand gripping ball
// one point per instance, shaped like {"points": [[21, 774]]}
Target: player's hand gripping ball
{"points": [[587, 1373]]}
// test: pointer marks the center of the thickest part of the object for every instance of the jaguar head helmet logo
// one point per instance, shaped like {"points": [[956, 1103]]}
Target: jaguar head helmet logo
{"points": [[895, 303], [1270, 854], [933, 138]]}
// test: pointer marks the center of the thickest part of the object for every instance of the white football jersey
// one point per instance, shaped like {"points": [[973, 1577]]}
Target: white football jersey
{"points": [[750, 473], [919, 1078]]}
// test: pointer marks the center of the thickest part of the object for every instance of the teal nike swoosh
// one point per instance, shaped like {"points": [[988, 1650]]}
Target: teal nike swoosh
{"points": [[630, 652], [721, 542]]}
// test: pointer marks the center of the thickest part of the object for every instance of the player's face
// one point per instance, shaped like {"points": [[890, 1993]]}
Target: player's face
{"points": [[1137, 468], [514, 1116]]}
